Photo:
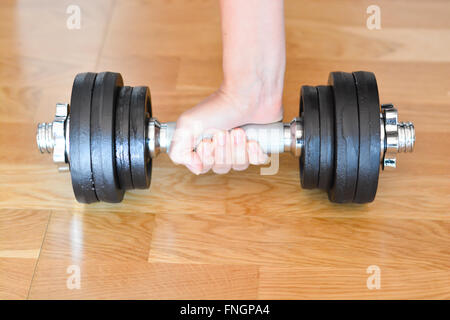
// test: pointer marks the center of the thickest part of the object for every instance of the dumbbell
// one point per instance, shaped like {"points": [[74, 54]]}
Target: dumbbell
{"points": [[107, 137]]}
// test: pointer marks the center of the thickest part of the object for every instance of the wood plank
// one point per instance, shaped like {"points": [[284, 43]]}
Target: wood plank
{"points": [[175, 191], [351, 283], [39, 30], [42, 58], [111, 250], [161, 28], [301, 242], [15, 278], [22, 230], [21, 237], [411, 14], [108, 279], [98, 236]]}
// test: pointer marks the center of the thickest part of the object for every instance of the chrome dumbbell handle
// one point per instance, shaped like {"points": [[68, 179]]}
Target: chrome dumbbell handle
{"points": [[277, 137]]}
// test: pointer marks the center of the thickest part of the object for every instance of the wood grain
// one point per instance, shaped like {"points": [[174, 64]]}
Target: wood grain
{"points": [[142, 280], [242, 235], [351, 283], [21, 237], [300, 242]]}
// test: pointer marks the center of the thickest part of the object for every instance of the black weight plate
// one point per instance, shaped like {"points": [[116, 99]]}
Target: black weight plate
{"points": [[326, 108], [310, 157], [369, 136], [104, 98], [346, 135], [122, 129], [80, 137], [140, 112]]}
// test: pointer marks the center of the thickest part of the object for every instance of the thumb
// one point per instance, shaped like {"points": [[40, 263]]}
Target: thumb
{"points": [[182, 151]]}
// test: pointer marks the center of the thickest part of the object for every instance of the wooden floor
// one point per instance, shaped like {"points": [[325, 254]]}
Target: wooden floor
{"points": [[242, 235]]}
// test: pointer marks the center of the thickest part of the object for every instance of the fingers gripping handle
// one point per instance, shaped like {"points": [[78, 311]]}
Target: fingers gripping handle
{"points": [[277, 137], [270, 136]]}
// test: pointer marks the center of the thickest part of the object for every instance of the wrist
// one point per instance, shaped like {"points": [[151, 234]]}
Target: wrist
{"points": [[254, 96]]}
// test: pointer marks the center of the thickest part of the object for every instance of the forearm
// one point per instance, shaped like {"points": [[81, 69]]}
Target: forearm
{"points": [[251, 92], [253, 42]]}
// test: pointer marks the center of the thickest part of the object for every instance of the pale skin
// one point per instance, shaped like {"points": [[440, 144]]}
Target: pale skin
{"points": [[254, 59]]}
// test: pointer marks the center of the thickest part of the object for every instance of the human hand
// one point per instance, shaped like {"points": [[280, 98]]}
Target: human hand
{"points": [[225, 149], [253, 65]]}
